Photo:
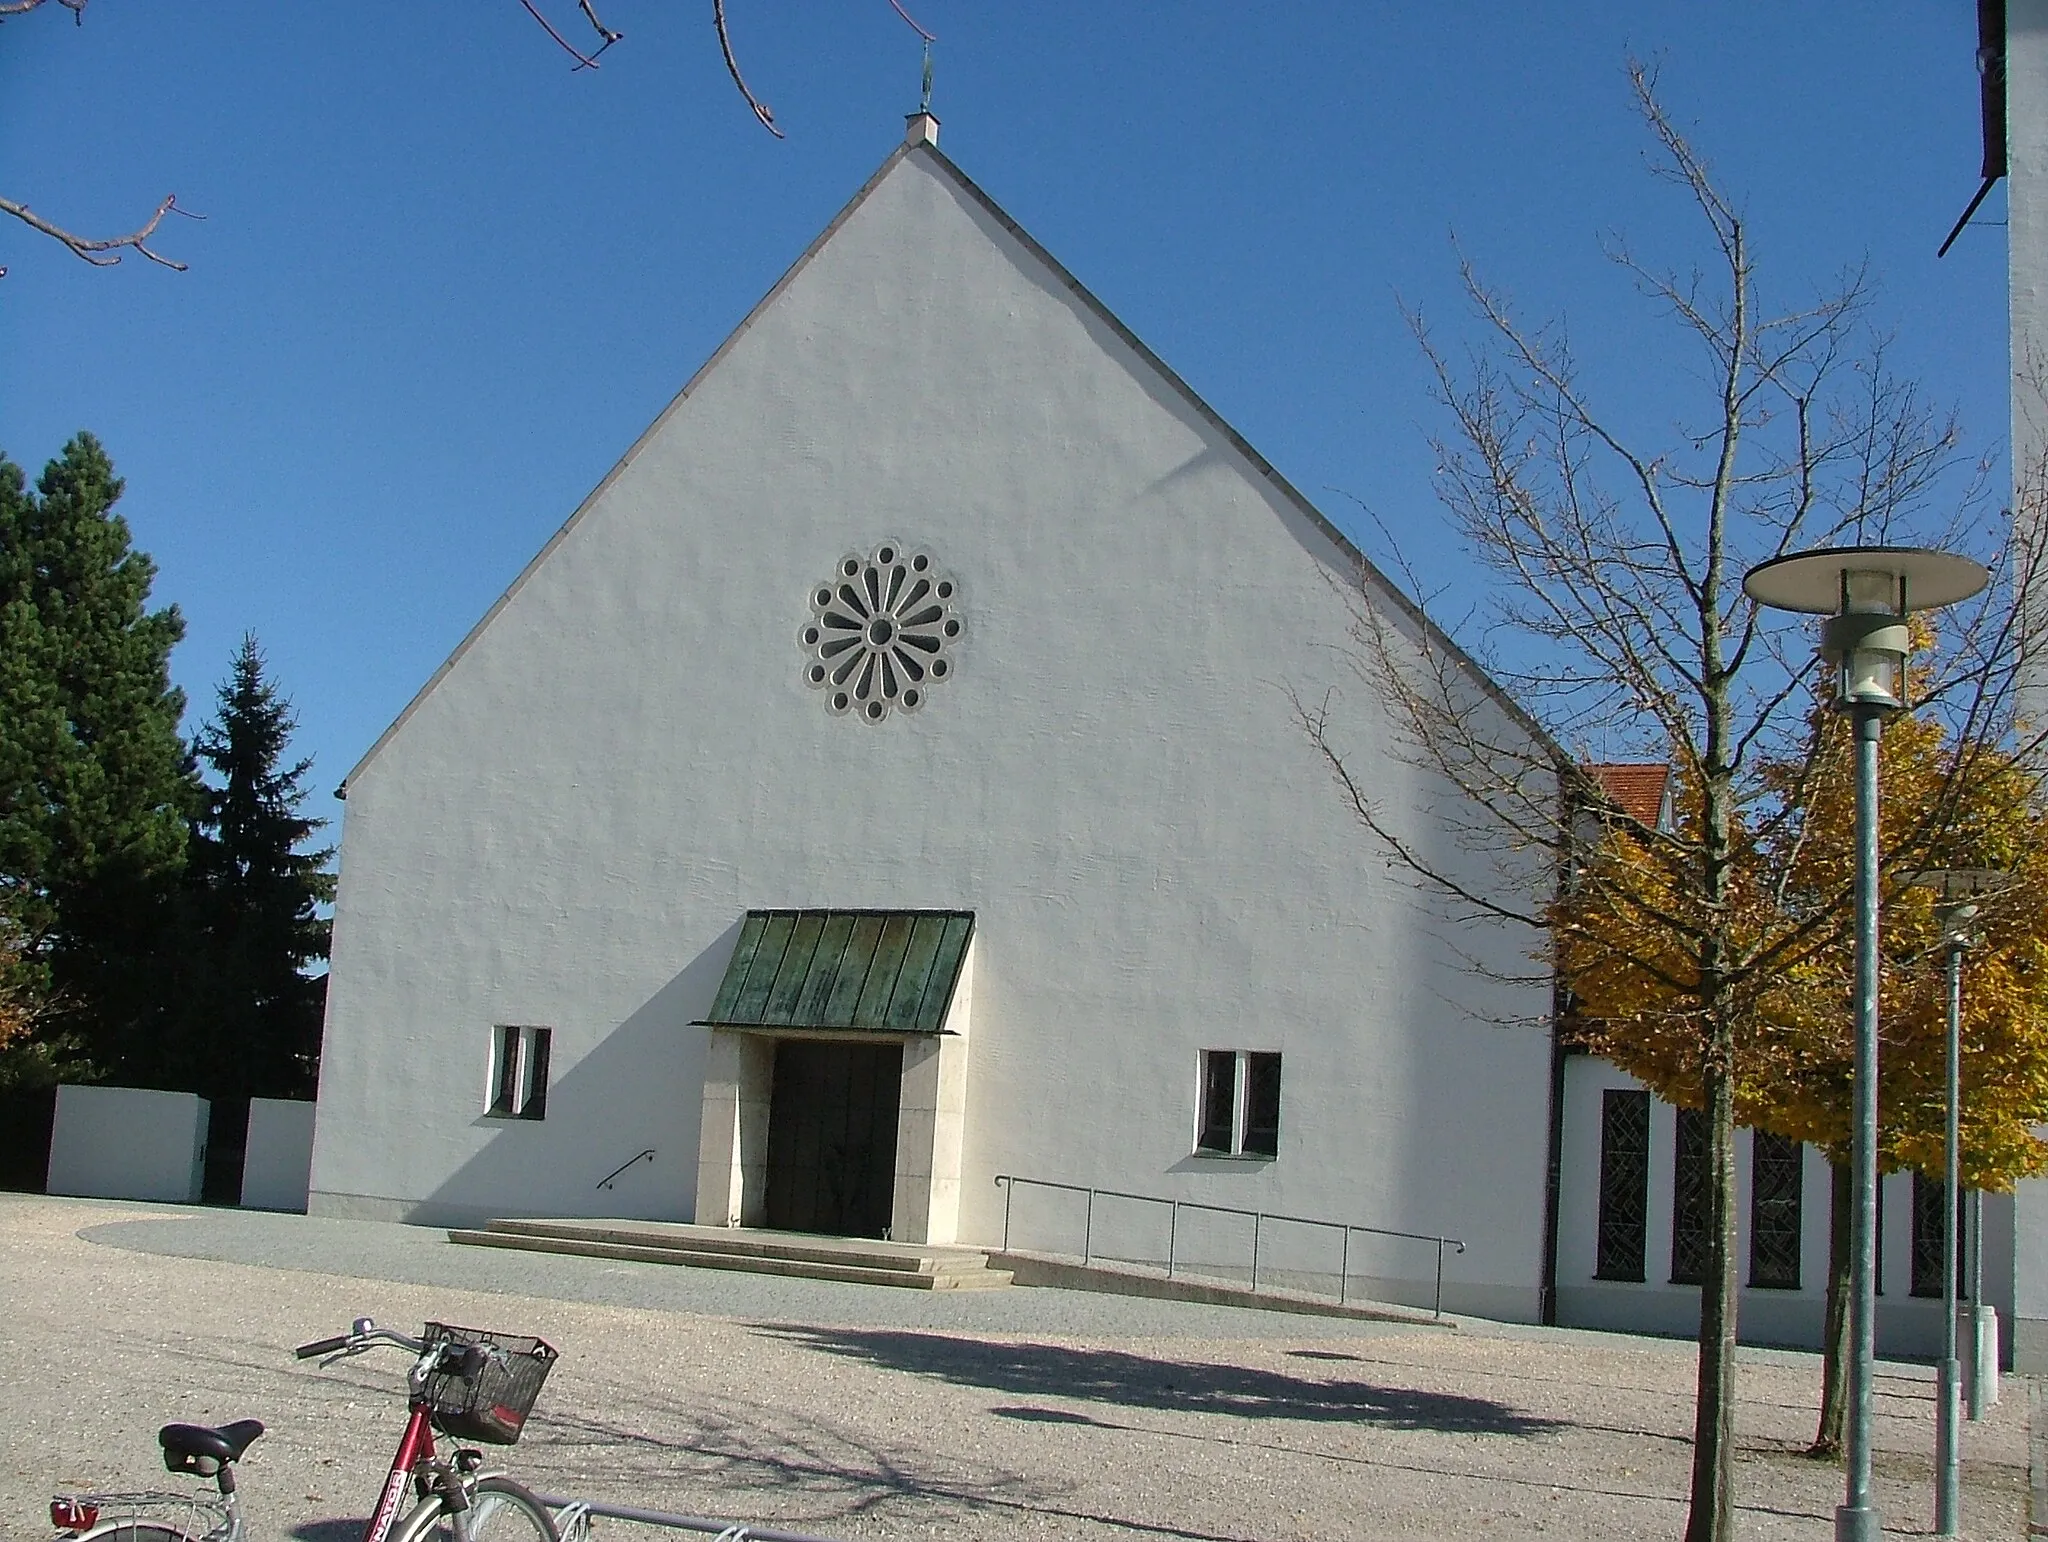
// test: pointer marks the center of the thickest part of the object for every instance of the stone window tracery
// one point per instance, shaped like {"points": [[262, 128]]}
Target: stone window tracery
{"points": [[882, 632]]}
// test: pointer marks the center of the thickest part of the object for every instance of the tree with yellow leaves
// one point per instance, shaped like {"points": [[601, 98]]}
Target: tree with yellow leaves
{"points": [[19, 1004], [1626, 925], [1945, 804]]}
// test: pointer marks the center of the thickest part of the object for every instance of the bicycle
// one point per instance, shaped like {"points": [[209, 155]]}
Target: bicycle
{"points": [[467, 1384]]}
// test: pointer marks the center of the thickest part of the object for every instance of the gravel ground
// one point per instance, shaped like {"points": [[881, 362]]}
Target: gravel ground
{"points": [[864, 1412]]}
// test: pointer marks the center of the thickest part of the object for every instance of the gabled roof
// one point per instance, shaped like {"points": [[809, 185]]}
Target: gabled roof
{"points": [[890, 971], [1368, 572], [1640, 789]]}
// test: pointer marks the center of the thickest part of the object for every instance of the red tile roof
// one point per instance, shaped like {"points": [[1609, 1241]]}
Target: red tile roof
{"points": [[1637, 788]]}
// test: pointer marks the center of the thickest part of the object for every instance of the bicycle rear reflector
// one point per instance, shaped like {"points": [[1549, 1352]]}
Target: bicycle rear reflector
{"points": [[68, 1514]]}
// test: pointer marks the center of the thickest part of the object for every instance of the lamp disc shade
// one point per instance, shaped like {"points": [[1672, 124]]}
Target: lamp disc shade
{"points": [[1811, 581], [1954, 882]]}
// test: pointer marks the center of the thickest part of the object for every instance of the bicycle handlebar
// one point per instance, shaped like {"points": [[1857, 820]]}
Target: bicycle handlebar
{"points": [[360, 1337]]}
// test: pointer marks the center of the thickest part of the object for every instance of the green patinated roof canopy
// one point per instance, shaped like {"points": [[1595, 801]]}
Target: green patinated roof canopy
{"points": [[888, 971]]}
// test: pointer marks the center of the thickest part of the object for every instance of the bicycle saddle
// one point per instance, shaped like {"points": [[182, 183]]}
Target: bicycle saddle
{"points": [[196, 1449]]}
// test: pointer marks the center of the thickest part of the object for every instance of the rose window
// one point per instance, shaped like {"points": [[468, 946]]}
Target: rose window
{"points": [[881, 633]]}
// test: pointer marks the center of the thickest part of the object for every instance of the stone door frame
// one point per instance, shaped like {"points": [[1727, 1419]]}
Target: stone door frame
{"points": [[739, 1077]]}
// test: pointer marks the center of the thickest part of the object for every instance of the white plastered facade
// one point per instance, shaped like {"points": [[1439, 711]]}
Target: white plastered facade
{"points": [[569, 824], [2026, 73]]}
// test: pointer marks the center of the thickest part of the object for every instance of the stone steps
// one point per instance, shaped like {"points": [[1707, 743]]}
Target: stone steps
{"points": [[854, 1260]]}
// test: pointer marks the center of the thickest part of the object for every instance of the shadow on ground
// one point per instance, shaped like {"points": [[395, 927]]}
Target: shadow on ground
{"points": [[1138, 1381]]}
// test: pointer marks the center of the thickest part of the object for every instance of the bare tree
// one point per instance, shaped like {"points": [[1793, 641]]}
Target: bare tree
{"points": [[1615, 614]]}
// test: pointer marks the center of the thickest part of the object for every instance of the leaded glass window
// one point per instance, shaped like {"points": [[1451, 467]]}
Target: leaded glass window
{"points": [[1775, 1171], [1928, 1241], [1689, 1200], [1624, 1184]]}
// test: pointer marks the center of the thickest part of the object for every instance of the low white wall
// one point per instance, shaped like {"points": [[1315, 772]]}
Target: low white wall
{"points": [[279, 1156], [128, 1143]]}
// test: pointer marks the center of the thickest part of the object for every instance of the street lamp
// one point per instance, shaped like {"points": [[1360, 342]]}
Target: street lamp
{"points": [[1953, 884], [1867, 593]]}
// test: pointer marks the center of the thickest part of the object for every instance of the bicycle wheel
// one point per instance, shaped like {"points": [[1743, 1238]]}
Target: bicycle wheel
{"points": [[139, 1531], [500, 1510]]}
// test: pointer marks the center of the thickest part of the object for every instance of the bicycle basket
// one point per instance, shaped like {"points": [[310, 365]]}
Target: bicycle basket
{"points": [[490, 1405]]}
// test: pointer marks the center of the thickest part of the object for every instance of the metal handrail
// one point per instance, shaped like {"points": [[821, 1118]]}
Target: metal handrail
{"points": [[606, 1181], [1008, 1183]]}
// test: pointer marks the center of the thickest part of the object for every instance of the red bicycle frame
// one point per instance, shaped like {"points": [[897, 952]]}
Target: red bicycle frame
{"points": [[415, 1448]]}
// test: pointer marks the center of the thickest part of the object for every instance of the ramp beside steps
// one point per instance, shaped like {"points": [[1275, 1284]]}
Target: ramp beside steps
{"points": [[855, 1260]]}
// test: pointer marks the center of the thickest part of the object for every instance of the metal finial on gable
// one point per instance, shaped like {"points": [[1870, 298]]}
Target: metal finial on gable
{"points": [[924, 128]]}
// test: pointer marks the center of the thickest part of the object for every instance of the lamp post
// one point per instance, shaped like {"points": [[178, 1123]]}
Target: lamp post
{"points": [[1947, 1408], [1867, 593], [1952, 884]]}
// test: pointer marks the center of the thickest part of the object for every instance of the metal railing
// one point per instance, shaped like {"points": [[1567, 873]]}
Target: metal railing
{"points": [[606, 1181], [1008, 1183], [573, 1516]]}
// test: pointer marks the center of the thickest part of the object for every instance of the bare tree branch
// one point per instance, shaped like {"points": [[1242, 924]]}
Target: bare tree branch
{"points": [[23, 7], [588, 8], [732, 67], [898, 5], [103, 254]]}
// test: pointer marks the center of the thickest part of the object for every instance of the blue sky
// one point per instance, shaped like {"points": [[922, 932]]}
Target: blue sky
{"points": [[444, 282]]}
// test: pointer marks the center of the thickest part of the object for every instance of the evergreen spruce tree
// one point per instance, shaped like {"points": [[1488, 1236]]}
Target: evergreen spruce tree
{"points": [[249, 1023], [95, 785]]}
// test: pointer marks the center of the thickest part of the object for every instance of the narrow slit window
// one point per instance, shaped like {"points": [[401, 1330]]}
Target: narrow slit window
{"points": [[1624, 1184], [505, 1099], [1261, 1105], [1239, 1112], [519, 1071], [1219, 1101]]}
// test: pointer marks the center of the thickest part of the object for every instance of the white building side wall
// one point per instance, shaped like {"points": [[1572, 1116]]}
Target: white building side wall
{"points": [[2027, 232], [567, 829]]}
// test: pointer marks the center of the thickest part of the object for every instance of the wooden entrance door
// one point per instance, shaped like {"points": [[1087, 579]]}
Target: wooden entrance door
{"points": [[832, 1137]]}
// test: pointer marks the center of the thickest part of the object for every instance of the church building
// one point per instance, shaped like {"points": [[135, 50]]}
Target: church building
{"points": [[892, 780]]}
